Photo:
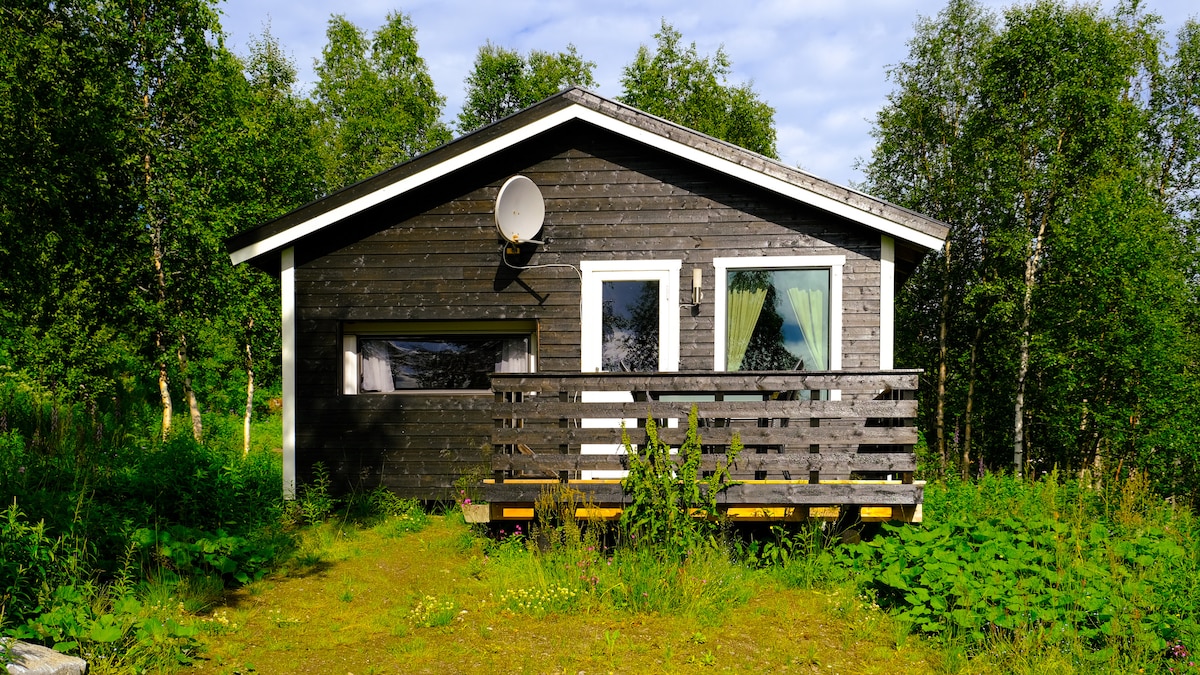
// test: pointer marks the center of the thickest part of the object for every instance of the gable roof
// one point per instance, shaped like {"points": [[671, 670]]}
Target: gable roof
{"points": [[566, 107]]}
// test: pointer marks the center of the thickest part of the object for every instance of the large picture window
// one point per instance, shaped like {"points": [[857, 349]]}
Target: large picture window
{"points": [[778, 313], [452, 356]]}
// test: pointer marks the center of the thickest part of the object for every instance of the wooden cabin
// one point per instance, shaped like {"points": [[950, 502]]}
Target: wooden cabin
{"points": [[669, 269]]}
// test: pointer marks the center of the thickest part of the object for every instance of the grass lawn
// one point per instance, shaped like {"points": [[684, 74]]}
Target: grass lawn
{"points": [[368, 601]]}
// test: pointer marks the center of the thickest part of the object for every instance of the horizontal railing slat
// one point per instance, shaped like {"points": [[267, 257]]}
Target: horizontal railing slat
{"points": [[549, 409], [838, 463], [709, 382], [791, 435]]}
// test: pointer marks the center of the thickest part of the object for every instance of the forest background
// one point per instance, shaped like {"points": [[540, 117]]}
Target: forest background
{"points": [[1058, 328]]}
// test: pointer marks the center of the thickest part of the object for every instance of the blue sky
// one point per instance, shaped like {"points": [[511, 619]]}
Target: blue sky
{"points": [[822, 65]]}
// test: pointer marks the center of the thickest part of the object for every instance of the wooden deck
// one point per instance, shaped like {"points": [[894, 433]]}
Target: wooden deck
{"points": [[815, 443]]}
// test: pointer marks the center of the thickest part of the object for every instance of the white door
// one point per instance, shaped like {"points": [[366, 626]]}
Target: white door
{"points": [[629, 323]]}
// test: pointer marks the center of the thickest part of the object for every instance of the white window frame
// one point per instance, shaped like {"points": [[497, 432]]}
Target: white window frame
{"points": [[352, 361], [595, 273], [833, 263]]}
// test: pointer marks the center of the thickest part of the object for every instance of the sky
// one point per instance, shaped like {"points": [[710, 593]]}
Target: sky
{"points": [[822, 65]]}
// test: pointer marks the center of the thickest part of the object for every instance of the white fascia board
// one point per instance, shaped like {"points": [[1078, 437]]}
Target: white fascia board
{"points": [[603, 121], [762, 180], [404, 185]]}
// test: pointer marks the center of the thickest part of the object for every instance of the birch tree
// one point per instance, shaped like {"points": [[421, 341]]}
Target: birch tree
{"points": [[502, 82], [377, 102], [1030, 135]]}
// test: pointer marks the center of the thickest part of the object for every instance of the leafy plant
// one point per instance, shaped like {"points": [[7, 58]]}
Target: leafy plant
{"points": [[1077, 581], [403, 516], [32, 564], [315, 501], [188, 551], [670, 505]]}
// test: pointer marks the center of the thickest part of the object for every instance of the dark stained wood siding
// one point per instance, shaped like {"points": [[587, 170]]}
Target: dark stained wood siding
{"points": [[435, 256]]}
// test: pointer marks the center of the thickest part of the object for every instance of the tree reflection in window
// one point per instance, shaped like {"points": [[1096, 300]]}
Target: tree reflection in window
{"points": [[777, 319], [439, 362], [629, 326]]}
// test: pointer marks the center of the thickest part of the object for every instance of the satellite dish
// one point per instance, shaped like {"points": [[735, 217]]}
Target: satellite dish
{"points": [[520, 210]]}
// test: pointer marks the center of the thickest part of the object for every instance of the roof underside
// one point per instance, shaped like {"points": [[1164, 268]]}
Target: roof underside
{"points": [[564, 108]]}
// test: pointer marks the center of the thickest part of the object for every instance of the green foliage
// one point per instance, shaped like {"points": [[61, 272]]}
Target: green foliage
{"points": [[32, 564], [672, 508], [401, 516], [314, 501], [503, 82], [1059, 145], [1076, 581], [378, 106], [189, 552], [116, 632], [134, 144], [679, 85]]}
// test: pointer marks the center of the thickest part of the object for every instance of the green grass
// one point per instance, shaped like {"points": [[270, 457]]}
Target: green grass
{"points": [[148, 555], [444, 599]]}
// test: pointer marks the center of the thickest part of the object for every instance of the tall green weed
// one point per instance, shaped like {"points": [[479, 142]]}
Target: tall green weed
{"points": [[672, 507]]}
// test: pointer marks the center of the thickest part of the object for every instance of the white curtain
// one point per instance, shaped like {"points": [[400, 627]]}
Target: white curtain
{"points": [[809, 307], [514, 356], [376, 366], [744, 308]]}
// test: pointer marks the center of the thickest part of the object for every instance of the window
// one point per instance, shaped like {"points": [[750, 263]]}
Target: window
{"points": [[778, 313], [629, 326], [630, 316], [440, 356]]}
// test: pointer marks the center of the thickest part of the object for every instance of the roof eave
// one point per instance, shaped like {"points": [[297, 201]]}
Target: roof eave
{"points": [[576, 104]]}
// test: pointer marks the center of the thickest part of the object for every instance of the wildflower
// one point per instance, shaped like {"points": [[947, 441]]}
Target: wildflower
{"points": [[466, 501]]}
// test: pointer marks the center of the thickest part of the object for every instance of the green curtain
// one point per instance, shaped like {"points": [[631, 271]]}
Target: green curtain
{"points": [[809, 306], [744, 308]]}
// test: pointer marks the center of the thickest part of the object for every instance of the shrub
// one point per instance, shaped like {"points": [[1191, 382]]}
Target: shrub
{"points": [[1060, 571], [32, 565]]}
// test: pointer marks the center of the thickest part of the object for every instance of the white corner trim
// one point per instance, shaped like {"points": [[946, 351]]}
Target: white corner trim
{"points": [[572, 112], [887, 303], [287, 269], [833, 263]]}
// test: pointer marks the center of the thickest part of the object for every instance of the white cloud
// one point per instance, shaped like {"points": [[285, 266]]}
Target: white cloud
{"points": [[820, 64]]}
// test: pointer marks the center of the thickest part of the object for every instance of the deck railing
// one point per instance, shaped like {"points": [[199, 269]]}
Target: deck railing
{"points": [[811, 438]]}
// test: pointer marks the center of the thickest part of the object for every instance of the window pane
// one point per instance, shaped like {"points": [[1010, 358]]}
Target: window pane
{"points": [[439, 362], [777, 319], [629, 323]]}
